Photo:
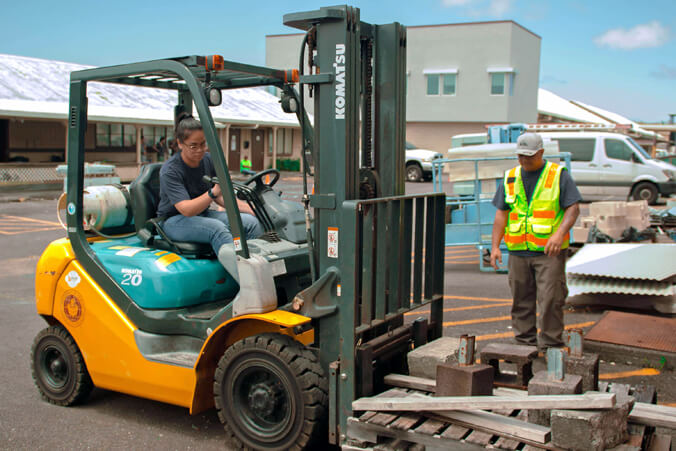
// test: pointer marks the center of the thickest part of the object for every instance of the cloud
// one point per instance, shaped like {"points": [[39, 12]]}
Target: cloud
{"points": [[665, 72], [652, 34]]}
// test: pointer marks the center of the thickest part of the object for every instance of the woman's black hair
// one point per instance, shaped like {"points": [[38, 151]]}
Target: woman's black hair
{"points": [[185, 125]]}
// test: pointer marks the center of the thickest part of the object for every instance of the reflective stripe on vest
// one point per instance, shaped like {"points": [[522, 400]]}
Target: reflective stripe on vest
{"points": [[529, 225]]}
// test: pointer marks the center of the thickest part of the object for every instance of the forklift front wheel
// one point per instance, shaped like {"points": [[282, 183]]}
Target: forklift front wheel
{"points": [[271, 393], [58, 367]]}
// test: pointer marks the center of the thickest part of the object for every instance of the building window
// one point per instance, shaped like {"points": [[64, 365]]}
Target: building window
{"points": [[449, 84], [284, 141], [432, 84], [441, 81], [498, 84]]}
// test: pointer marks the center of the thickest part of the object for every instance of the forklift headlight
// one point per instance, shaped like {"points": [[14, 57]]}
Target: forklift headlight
{"points": [[669, 173], [289, 104], [214, 96]]}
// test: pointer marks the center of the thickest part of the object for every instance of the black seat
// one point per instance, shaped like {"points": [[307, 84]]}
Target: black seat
{"points": [[145, 196]]}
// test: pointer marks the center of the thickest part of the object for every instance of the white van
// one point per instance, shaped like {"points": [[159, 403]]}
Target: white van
{"points": [[607, 165]]}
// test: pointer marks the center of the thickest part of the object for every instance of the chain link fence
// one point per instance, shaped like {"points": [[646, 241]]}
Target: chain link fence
{"points": [[22, 174]]}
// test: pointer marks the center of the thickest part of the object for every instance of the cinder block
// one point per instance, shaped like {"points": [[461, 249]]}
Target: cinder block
{"points": [[540, 384], [592, 430], [586, 366], [580, 234], [638, 215], [423, 361], [607, 209], [471, 380]]}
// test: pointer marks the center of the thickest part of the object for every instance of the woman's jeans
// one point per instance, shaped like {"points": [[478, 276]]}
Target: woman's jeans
{"points": [[209, 227]]}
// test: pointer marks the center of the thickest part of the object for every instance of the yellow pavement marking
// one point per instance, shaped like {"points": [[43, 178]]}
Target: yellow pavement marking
{"points": [[511, 334], [14, 225], [41, 221], [668, 404], [477, 321], [459, 309], [472, 298], [473, 262], [623, 374]]}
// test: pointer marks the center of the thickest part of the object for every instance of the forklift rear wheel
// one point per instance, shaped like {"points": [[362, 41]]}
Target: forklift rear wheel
{"points": [[58, 368], [414, 173], [271, 393]]}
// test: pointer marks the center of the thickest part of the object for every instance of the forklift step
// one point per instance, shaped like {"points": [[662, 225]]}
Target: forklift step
{"points": [[185, 359]]}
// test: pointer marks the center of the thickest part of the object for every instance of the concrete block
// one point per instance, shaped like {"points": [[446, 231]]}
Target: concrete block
{"points": [[638, 215], [592, 430], [580, 234], [519, 355], [586, 366], [457, 380], [599, 209], [540, 384], [423, 361]]}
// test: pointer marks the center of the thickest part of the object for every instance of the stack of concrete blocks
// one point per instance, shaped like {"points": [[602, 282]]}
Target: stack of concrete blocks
{"points": [[592, 430], [465, 378], [553, 381], [423, 360], [612, 218]]}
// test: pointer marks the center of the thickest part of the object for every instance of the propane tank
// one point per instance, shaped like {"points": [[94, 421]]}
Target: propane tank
{"points": [[103, 207]]}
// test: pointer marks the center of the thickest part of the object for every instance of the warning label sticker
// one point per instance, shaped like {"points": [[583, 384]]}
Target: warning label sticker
{"points": [[238, 244], [332, 242]]}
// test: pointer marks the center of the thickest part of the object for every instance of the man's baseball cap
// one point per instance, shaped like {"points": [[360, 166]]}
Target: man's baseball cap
{"points": [[528, 144]]}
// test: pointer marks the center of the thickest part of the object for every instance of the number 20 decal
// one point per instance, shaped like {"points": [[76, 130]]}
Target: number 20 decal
{"points": [[132, 279]]}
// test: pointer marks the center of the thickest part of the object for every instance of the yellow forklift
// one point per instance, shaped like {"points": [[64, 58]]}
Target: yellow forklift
{"points": [[308, 317]]}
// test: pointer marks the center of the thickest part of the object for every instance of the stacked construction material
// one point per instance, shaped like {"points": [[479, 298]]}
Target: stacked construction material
{"points": [[624, 274], [612, 219]]}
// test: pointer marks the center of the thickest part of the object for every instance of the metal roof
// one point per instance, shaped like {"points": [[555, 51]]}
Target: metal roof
{"points": [[652, 261], [586, 285], [32, 87]]}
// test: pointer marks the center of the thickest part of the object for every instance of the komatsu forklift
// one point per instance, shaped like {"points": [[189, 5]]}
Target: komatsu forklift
{"points": [[308, 317]]}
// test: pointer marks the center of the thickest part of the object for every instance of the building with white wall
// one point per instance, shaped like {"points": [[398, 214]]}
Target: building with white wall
{"points": [[460, 77]]}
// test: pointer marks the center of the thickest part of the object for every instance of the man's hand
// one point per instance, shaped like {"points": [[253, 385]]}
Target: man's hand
{"points": [[216, 190], [496, 256], [553, 246]]}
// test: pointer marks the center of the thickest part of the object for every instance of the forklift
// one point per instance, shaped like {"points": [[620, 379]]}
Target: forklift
{"points": [[310, 316]]}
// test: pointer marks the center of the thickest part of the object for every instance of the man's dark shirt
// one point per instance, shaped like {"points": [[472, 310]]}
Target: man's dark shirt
{"points": [[179, 182], [569, 195]]}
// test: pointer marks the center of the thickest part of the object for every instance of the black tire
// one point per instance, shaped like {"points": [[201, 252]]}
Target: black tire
{"points": [[58, 368], [646, 191], [271, 393], [414, 173]]}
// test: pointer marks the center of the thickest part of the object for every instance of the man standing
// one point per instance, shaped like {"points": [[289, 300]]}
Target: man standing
{"points": [[537, 206]]}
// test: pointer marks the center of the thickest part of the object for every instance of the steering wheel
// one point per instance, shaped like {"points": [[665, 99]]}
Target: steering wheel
{"points": [[258, 178]]}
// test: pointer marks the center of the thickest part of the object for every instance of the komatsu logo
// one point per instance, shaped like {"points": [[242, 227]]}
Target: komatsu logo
{"points": [[339, 67]]}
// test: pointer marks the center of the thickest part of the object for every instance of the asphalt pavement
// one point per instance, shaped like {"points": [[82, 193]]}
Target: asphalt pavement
{"points": [[476, 303]]}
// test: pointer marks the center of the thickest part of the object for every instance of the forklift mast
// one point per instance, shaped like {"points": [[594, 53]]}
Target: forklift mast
{"points": [[379, 253]]}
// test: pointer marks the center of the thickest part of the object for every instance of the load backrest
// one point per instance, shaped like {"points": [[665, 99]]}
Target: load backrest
{"points": [[145, 194]]}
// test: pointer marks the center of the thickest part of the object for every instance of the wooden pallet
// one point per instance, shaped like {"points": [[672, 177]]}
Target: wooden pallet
{"points": [[397, 431], [410, 431]]}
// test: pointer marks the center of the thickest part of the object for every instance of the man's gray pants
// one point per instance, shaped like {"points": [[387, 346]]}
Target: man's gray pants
{"points": [[538, 280]]}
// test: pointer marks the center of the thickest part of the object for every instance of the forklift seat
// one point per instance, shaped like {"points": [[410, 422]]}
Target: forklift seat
{"points": [[145, 196]]}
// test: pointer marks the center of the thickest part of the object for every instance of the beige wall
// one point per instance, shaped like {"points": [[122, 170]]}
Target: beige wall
{"points": [[437, 135]]}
